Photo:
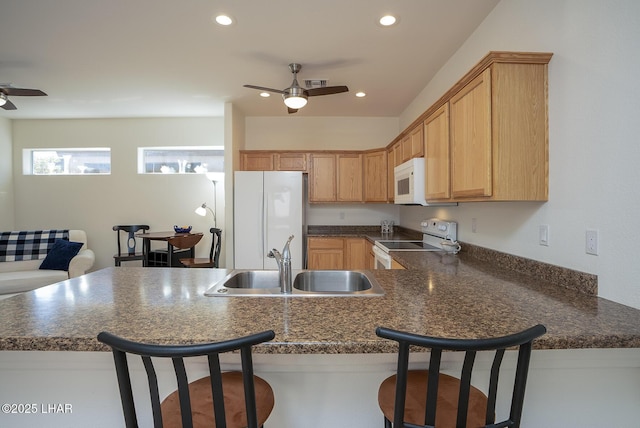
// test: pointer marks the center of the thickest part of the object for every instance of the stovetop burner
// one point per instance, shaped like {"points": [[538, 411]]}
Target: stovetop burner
{"points": [[434, 231], [406, 246]]}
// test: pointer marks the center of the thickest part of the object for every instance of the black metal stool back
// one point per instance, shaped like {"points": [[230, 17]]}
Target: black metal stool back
{"points": [[130, 254], [177, 353], [522, 341]]}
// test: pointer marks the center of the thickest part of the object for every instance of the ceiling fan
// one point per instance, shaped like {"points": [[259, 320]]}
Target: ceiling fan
{"points": [[7, 90], [295, 96]]}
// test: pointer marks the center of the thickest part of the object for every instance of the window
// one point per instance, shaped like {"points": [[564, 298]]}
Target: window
{"points": [[180, 160], [76, 161]]}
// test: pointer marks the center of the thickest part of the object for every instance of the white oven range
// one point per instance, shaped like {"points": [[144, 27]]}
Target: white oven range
{"points": [[434, 231]]}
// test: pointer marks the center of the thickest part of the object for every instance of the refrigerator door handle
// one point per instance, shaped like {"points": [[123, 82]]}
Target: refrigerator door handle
{"points": [[263, 215]]}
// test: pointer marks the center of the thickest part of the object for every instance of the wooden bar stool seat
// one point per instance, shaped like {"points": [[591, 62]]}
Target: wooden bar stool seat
{"points": [[429, 398], [234, 399], [447, 405], [234, 403]]}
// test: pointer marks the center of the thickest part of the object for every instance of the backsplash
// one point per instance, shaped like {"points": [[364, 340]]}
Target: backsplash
{"points": [[580, 281]]}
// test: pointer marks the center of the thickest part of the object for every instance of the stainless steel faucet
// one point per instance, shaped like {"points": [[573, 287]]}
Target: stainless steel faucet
{"points": [[284, 266]]}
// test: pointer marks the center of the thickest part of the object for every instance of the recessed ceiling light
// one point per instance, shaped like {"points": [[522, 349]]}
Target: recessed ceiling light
{"points": [[388, 20], [224, 20], [265, 94], [360, 94]]}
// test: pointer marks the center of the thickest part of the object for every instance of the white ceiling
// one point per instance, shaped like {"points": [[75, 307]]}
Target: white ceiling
{"points": [[167, 58]]}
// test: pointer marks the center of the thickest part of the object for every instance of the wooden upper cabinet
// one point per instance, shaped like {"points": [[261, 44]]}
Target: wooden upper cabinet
{"points": [[519, 131], [436, 142], [322, 177], [471, 162], [397, 153], [391, 164], [499, 131], [417, 142], [292, 161], [256, 161], [273, 161], [406, 148], [413, 144], [349, 178], [375, 176]]}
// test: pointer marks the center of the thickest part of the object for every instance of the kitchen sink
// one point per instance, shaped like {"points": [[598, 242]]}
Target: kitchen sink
{"points": [[306, 283], [332, 281]]}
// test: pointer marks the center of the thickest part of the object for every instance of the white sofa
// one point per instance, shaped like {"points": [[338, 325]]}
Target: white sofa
{"points": [[26, 275]]}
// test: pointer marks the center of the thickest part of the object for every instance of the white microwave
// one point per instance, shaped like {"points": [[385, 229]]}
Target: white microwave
{"points": [[409, 183]]}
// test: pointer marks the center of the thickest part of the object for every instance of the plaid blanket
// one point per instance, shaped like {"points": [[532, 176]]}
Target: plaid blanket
{"points": [[28, 245]]}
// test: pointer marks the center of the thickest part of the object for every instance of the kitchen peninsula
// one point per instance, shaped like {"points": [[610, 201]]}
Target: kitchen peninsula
{"points": [[325, 352]]}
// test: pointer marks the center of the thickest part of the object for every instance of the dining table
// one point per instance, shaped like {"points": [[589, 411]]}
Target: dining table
{"points": [[182, 241]]}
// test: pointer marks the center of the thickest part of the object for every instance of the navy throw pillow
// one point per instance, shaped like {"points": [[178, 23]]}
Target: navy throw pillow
{"points": [[60, 255]]}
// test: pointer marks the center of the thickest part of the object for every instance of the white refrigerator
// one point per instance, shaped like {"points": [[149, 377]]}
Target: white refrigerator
{"points": [[268, 207]]}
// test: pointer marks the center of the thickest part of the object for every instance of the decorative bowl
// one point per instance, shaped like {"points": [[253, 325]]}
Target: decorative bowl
{"points": [[183, 229]]}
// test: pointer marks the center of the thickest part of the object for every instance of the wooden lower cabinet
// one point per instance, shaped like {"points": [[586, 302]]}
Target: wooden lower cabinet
{"points": [[396, 265], [337, 253], [325, 253], [355, 253]]}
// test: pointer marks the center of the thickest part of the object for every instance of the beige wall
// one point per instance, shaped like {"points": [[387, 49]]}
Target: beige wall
{"points": [[6, 177], [319, 133], [593, 138], [96, 203]]}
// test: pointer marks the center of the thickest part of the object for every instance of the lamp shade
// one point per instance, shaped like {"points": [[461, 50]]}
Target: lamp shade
{"points": [[202, 210], [3, 99]]}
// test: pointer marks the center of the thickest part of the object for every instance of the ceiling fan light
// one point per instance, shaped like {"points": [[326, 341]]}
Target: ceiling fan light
{"points": [[295, 102], [3, 99]]}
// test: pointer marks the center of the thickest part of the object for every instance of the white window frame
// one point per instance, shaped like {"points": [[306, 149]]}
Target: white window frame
{"points": [[178, 165], [67, 168]]}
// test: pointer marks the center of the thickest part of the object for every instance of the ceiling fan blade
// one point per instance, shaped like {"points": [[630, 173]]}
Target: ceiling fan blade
{"points": [[9, 106], [22, 92], [327, 90], [262, 88], [292, 110]]}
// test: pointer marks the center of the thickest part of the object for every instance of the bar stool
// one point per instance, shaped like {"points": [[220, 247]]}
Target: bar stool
{"points": [[428, 398], [229, 399]]}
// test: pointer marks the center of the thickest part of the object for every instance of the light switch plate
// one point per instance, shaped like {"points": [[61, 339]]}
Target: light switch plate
{"points": [[591, 245], [543, 235]]}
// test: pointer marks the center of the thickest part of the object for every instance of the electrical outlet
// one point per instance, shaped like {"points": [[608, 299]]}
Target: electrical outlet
{"points": [[474, 225], [543, 234], [591, 246]]}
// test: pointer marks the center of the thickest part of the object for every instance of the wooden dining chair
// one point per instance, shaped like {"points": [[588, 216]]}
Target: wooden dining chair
{"points": [[223, 399], [131, 254], [214, 254], [429, 398], [184, 244]]}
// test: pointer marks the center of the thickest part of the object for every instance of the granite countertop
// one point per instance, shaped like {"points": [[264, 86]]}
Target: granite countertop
{"points": [[442, 295]]}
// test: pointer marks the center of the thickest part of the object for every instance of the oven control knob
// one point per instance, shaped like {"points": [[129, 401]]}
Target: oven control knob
{"points": [[442, 227]]}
